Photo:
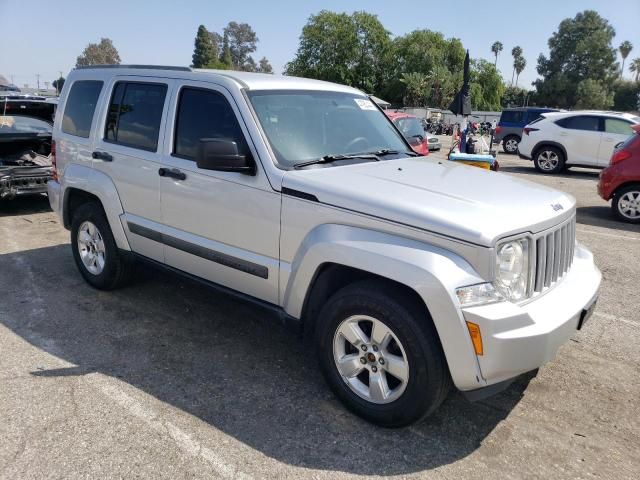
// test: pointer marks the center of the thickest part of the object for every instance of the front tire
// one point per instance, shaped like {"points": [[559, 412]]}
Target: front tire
{"points": [[549, 160], [381, 355], [510, 144], [626, 203], [95, 251]]}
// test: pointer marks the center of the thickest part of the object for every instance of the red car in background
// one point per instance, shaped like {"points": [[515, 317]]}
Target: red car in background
{"points": [[411, 128], [621, 179]]}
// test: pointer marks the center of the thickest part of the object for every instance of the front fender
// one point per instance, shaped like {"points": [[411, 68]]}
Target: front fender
{"points": [[433, 272], [99, 184]]}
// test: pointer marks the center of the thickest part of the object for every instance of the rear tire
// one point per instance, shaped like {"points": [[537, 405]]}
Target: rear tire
{"points": [[510, 144], [403, 357], [549, 160], [626, 203], [95, 251]]}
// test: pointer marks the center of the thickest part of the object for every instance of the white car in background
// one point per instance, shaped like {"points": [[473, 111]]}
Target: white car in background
{"points": [[579, 138]]}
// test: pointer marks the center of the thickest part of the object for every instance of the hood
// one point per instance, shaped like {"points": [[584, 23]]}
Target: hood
{"points": [[456, 200]]}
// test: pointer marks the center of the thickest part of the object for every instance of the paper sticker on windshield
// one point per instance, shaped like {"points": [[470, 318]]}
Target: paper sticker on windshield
{"points": [[365, 104]]}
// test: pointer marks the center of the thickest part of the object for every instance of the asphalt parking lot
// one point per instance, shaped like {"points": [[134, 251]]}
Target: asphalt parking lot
{"points": [[166, 379]]}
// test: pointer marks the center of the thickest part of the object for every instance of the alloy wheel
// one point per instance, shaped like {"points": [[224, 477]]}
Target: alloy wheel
{"points": [[370, 359], [91, 247], [511, 145], [548, 160], [629, 205]]}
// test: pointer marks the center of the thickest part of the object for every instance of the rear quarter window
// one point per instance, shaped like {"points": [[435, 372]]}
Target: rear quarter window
{"points": [[80, 107], [580, 122]]}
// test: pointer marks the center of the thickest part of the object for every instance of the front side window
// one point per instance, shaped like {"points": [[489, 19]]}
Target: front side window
{"points": [[616, 126], [304, 125], [135, 113], [581, 122], [80, 107], [204, 114]]}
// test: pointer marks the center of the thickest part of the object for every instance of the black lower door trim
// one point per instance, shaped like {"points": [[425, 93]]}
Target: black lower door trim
{"points": [[199, 251]]}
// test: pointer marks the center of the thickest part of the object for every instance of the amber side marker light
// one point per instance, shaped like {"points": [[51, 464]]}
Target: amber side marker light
{"points": [[476, 337]]}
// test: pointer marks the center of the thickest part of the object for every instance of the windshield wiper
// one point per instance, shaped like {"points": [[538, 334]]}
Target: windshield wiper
{"points": [[335, 158]]}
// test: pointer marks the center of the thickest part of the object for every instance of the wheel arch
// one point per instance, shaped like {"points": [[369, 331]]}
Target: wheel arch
{"points": [[337, 256], [82, 184], [549, 143]]}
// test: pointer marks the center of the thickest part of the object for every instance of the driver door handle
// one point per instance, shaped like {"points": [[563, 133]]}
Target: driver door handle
{"points": [[173, 173], [104, 156]]}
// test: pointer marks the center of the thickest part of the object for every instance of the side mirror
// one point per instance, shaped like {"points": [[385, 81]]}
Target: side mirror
{"points": [[223, 156]]}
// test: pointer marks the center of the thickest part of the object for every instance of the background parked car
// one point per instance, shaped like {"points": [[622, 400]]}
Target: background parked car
{"points": [[512, 121], [412, 129], [620, 181], [581, 138], [25, 145]]}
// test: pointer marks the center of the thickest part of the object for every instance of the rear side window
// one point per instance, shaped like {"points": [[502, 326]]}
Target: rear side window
{"points": [[620, 127], [204, 114], [134, 115], [80, 107], [580, 122], [512, 116]]}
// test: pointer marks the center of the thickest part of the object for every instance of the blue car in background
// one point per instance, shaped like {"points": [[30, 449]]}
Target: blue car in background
{"points": [[512, 121]]}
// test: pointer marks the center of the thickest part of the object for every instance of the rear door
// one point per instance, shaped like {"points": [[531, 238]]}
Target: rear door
{"points": [[616, 130], [580, 135], [126, 149]]}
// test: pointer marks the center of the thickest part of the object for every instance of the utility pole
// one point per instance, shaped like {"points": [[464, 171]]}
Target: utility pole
{"points": [[38, 77]]}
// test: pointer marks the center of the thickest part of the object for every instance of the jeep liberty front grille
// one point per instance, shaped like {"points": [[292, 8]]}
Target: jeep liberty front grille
{"points": [[553, 254]]}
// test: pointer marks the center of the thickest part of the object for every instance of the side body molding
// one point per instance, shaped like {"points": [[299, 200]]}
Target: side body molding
{"points": [[99, 184], [433, 272]]}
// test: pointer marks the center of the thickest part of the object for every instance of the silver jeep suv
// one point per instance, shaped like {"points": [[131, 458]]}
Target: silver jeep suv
{"points": [[409, 275]]}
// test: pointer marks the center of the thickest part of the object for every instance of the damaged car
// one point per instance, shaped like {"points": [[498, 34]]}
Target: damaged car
{"points": [[25, 146]]}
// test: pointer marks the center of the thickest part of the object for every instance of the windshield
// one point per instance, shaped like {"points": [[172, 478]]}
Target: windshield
{"points": [[409, 126], [12, 124], [308, 125]]}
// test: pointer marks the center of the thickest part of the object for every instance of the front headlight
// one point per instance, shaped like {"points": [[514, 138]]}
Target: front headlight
{"points": [[512, 269]]}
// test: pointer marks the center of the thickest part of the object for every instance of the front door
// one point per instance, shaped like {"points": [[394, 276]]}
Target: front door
{"points": [[221, 226], [126, 149], [580, 136]]}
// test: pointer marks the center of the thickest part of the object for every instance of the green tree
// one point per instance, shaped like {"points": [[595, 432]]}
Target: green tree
{"points": [[514, 97], [624, 49], [416, 89], [519, 65], [627, 96], [516, 53], [592, 94], [205, 51], [103, 53], [579, 50], [635, 67], [58, 84], [226, 58], [348, 49], [425, 51], [487, 87], [242, 41], [264, 66], [496, 48]]}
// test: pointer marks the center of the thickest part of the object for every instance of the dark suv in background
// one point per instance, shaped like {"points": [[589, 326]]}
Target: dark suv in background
{"points": [[512, 121]]}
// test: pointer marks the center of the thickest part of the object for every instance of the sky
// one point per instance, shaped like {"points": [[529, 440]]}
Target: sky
{"points": [[45, 37]]}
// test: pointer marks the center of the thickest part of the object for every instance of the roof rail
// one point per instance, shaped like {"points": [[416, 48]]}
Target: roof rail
{"points": [[145, 67]]}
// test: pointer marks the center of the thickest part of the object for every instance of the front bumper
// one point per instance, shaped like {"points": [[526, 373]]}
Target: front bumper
{"points": [[521, 338], [523, 156]]}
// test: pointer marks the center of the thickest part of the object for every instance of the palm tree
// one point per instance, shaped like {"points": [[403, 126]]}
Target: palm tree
{"points": [[518, 65], [625, 49], [516, 52], [496, 48], [635, 67]]}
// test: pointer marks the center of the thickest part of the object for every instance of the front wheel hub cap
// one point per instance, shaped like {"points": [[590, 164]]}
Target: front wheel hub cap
{"points": [[91, 247]]}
